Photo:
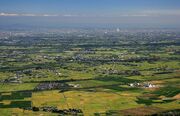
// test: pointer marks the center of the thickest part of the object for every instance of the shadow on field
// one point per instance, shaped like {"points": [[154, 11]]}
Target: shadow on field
{"points": [[123, 80], [60, 81], [115, 87], [111, 86], [168, 91], [16, 95], [16, 104], [154, 97], [92, 85], [15, 98]]}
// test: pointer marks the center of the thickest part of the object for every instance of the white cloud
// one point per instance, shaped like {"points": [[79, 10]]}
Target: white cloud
{"points": [[8, 14], [37, 15], [48, 15], [69, 15], [30, 15], [134, 15], [142, 13]]}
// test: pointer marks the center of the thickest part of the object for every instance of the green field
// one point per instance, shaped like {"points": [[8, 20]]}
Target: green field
{"points": [[99, 76]]}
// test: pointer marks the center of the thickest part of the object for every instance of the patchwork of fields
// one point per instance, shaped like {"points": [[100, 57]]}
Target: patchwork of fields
{"points": [[90, 73]]}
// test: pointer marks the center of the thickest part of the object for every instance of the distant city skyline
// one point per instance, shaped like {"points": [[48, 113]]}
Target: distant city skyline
{"points": [[91, 12]]}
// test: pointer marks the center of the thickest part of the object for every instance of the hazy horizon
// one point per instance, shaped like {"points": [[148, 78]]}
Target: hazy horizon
{"points": [[90, 13]]}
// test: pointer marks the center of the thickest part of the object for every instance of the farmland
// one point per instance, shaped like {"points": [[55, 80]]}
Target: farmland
{"points": [[89, 72]]}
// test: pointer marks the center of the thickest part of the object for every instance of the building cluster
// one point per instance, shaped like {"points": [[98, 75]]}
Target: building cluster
{"points": [[143, 85], [55, 85]]}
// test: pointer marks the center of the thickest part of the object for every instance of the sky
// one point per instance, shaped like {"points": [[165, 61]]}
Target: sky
{"points": [[155, 13]]}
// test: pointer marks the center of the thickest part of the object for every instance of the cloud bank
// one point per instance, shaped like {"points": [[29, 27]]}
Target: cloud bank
{"points": [[30, 15], [145, 13]]}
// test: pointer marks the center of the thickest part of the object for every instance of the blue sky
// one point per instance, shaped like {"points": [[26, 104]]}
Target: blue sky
{"points": [[130, 12]]}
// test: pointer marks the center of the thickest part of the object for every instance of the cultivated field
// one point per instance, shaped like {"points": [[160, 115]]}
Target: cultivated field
{"points": [[88, 73]]}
